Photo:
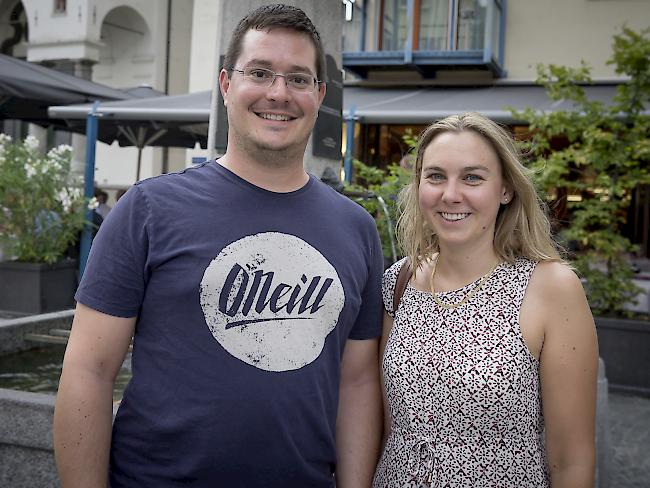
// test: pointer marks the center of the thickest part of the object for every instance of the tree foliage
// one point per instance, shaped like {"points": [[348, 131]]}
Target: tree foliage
{"points": [[376, 190], [605, 156]]}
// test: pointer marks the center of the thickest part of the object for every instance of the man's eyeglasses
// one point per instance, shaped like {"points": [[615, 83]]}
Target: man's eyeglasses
{"points": [[265, 77]]}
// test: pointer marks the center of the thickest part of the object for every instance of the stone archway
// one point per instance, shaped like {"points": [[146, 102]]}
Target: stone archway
{"points": [[13, 28], [126, 57]]}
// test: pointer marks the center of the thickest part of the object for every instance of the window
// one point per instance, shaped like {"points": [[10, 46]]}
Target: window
{"points": [[59, 6], [394, 29], [471, 25], [438, 25], [434, 19]]}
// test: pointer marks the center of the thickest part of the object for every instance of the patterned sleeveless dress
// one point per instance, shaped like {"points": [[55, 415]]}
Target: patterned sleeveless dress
{"points": [[463, 390]]}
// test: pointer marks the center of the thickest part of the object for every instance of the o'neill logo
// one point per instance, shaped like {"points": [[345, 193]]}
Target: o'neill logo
{"points": [[270, 300]]}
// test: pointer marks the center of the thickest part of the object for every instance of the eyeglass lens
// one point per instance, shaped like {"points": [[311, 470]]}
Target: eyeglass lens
{"points": [[266, 77]]}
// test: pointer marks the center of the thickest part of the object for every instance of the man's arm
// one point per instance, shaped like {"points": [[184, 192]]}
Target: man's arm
{"points": [[358, 427], [84, 403]]}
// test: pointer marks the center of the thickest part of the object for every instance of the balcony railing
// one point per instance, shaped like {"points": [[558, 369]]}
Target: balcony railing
{"points": [[423, 35]]}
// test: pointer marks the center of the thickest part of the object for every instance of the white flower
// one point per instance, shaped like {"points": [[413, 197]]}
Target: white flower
{"points": [[64, 197], [93, 204], [30, 170], [31, 143], [4, 138], [59, 152]]}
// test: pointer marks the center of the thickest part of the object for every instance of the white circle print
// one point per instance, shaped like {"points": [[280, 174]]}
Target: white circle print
{"points": [[270, 300]]}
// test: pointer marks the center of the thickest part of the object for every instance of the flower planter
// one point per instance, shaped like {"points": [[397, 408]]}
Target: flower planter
{"points": [[625, 347], [34, 288]]}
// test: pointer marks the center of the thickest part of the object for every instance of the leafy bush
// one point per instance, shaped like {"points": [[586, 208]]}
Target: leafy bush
{"points": [[41, 207], [376, 190], [605, 158]]}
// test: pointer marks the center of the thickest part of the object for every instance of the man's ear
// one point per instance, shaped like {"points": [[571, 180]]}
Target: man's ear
{"points": [[322, 88], [224, 85]]}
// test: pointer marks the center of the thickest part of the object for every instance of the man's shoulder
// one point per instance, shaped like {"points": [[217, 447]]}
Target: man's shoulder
{"points": [[342, 204], [181, 177]]}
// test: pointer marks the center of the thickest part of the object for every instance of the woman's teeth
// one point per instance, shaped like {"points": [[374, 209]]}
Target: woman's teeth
{"points": [[453, 216]]}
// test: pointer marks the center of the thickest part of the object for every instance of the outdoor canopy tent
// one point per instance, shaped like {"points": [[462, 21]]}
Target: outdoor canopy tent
{"points": [[414, 105], [419, 105], [168, 121], [27, 89], [423, 105]]}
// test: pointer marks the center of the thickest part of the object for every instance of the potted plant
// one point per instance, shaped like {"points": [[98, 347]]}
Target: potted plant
{"points": [[41, 214]]}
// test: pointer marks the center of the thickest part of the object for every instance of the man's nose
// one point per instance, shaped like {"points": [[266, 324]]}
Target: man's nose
{"points": [[278, 91]]}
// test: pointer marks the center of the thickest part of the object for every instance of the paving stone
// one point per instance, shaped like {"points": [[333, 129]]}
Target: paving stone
{"points": [[629, 427]]}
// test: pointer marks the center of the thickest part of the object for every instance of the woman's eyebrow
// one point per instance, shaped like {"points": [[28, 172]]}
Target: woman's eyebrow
{"points": [[477, 167]]}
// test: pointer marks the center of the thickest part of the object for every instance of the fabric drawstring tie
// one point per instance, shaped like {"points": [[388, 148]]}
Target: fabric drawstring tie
{"points": [[422, 460]]}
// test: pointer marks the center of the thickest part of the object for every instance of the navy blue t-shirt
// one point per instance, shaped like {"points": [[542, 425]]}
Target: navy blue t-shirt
{"points": [[245, 299]]}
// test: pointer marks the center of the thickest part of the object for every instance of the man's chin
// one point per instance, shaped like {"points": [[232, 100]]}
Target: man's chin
{"points": [[278, 148]]}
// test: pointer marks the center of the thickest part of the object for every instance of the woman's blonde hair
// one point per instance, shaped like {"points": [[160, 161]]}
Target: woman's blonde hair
{"points": [[522, 228]]}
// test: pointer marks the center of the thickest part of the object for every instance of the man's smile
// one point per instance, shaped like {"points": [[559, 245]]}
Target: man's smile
{"points": [[275, 116]]}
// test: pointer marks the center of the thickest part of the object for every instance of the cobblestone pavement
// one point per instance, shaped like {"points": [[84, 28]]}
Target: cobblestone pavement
{"points": [[629, 428]]}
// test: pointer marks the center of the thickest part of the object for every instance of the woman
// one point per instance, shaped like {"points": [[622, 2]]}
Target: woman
{"points": [[490, 362]]}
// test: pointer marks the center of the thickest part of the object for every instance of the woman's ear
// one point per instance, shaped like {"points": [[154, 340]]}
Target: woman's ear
{"points": [[506, 196]]}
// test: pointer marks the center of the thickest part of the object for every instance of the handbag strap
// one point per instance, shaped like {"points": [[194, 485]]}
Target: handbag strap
{"points": [[403, 277]]}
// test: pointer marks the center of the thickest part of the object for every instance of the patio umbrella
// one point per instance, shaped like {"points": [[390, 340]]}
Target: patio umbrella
{"points": [[27, 89], [163, 121], [167, 121]]}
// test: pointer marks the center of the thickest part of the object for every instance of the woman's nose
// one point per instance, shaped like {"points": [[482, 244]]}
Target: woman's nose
{"points": [[451, 192]]}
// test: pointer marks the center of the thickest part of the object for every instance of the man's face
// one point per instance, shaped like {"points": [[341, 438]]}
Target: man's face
{"points": [[274, 118]]}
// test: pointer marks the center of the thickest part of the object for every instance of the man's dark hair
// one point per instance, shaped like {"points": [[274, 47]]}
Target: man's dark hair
{"points": [[269, 17]]}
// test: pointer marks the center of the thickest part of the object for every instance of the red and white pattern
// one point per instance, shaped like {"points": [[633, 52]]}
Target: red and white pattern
{"points": [[463, 389]]}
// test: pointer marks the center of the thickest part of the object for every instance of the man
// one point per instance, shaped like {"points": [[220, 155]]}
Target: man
{"points": [[253, 294], [102, 206]]}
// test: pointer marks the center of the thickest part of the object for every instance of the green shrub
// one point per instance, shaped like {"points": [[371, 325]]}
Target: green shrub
{"points": [[41, 207]]}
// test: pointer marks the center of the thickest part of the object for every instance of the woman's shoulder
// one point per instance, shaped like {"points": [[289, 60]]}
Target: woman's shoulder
{"points": [[390, 275], [556, 280]]}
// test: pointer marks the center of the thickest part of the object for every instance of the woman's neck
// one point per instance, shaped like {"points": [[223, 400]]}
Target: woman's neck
{"points": [[456, 267]]}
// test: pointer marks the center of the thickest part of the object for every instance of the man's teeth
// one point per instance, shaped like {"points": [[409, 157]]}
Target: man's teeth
{"points": [[274, 117], [453, 216]]}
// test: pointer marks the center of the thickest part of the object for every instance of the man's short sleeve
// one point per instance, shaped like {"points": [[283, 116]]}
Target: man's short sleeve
{"points": [[368, 324], [117, 269]]}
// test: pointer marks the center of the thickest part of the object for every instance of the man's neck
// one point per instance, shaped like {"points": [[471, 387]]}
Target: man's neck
{"points": [[266, 170]]}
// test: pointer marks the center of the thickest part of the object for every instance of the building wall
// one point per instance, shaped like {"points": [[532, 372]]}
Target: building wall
{"points": [[120, 43], [564, 32]]}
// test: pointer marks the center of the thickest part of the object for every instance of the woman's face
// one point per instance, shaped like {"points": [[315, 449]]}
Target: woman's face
{"points": [[461, 188]]}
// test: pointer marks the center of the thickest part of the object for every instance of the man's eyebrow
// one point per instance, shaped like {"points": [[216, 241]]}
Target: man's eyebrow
{"points": [[259, 62], [267, 64]]}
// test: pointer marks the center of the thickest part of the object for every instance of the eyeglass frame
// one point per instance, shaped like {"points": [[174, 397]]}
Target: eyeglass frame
{"points": [[317, 82]]}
